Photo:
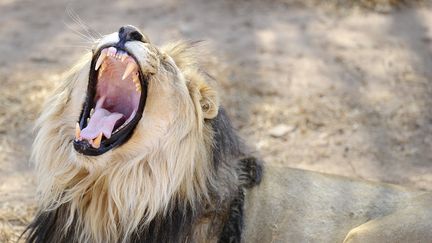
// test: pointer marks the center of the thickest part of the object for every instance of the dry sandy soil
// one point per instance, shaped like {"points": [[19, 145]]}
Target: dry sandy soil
{"points": [[332, 89]]}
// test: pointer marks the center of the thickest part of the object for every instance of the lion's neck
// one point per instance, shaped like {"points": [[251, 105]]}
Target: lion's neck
{"points": [[112, 203]]}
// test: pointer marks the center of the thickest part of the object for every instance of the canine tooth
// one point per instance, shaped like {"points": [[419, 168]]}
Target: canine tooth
{"points": [[129, 68], [77, 131], [101, 58], [97, 141]]}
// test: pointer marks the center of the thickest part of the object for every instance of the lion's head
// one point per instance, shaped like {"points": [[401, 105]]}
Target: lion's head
{"points": [[125, 134]]}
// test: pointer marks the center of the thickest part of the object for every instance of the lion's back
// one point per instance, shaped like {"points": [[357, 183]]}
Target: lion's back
{"points": [[293, 205]]}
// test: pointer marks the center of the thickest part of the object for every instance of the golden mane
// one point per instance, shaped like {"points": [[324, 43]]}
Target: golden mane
{"points": [[108, 196]]}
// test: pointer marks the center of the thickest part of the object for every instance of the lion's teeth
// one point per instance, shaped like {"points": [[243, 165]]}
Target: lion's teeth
{"points": [[129, 68], [112, 51], [124, 56], [101, 58], [77, 131], [136, 81], [91, 112], [135, 78], [97, 141]]}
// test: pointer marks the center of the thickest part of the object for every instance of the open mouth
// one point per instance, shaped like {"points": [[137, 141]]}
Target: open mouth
{"points": [[114, 104]]}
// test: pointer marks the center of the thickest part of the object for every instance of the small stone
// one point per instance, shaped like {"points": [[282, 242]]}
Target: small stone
{"points": [[281, 130]]}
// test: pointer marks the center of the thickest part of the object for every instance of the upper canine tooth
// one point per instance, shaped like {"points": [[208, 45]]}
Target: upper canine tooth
{"points": [[129, 68], [101, 58]]}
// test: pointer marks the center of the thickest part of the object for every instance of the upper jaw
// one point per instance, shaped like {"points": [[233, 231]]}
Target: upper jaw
{"points": [[98, 145]]}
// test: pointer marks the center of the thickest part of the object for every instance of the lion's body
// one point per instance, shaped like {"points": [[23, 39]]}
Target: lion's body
{"points": [[182, 174], [293, 205]]}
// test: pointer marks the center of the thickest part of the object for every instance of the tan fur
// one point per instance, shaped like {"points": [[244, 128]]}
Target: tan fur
{"points": [[302, 206], [166, 158]]}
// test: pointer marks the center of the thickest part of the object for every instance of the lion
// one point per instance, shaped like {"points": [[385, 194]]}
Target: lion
{"points": [[134, 146]]}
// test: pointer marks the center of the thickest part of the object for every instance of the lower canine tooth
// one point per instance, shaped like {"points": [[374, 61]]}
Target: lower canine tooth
{"points": [[97, 141], [77, 131]]}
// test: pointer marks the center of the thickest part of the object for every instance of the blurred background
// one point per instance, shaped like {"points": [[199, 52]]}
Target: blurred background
{"points": [[337, 86]]}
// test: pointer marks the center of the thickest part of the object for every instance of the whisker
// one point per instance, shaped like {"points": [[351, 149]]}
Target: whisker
{"points": [[74, 17], [80, 34], [92, 32], [88, 31]]}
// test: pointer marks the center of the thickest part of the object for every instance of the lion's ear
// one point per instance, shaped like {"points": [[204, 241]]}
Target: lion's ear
{"points": [[185, 57], [203, 94], [209, 101]]}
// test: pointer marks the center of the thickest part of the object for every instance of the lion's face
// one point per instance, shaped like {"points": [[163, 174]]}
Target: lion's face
{"points": [[133, 89], [118, 89]]}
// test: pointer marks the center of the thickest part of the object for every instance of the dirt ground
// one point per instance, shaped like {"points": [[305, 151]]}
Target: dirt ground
{"points": [[339, 90]]}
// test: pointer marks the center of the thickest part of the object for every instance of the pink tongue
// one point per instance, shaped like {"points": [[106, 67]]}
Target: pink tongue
{"points": [[101, 121]]}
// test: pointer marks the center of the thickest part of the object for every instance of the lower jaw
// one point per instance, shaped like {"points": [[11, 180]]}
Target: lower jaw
{"points": [[117, 138]]}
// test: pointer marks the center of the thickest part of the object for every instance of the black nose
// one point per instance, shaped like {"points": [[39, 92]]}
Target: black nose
{"points": [[129, 33]]}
